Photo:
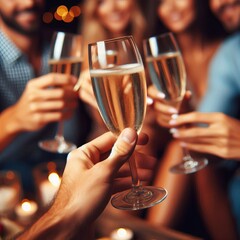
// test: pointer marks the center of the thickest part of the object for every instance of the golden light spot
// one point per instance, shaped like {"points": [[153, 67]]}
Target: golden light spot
{"points": [[75, 10], [67, 17], [47, 17], [61, 10], [57, 17]]}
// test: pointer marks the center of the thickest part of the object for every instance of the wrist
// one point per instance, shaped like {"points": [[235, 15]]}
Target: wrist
{"points": [[10, 128], [69, 214], [9, 120]]}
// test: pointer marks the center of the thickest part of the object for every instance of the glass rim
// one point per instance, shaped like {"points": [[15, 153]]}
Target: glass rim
{"points": [[109, 40], [159, 36]]}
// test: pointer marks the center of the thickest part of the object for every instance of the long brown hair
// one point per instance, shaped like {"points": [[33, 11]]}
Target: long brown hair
{"points": [[93, 30]]}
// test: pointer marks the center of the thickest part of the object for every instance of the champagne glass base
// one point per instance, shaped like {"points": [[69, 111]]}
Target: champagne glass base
{"points": [[139, 198], [189, 166], [57, 146]]}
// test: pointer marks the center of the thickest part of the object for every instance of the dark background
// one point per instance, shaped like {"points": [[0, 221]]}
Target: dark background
{"points": [[51, 6]]}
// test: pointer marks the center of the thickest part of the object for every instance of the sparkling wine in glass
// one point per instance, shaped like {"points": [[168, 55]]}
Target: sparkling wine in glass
{"points": [[168, 74], [65, 57], [119, 85]]}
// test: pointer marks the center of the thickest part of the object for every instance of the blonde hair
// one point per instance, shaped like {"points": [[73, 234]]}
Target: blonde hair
{"points": [[93, 30]]}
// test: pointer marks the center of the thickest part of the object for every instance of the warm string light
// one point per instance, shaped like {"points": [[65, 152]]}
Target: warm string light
{"points": [[62, 13]]}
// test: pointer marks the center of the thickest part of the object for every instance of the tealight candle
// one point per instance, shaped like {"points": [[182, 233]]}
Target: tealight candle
{"points": [[8, 199], [49, 187], [26, 210], [122, 234]]}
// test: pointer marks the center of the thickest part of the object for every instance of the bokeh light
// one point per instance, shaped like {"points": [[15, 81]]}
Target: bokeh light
{"points": [[62, 13], [61, 10], [57, 17], [67, 17], [47, 17], [76, 10]]}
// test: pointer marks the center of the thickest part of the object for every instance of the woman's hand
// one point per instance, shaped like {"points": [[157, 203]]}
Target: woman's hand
{"points": [[219, 135]]}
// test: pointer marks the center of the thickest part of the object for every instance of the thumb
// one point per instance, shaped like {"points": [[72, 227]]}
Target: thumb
{"points": [[122, 149]]}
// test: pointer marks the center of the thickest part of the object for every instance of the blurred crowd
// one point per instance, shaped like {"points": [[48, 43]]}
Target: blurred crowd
{"points": [[32, 101]]}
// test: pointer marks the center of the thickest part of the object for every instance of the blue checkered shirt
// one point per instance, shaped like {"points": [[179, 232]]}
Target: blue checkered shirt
{"points": [[15, 72]]}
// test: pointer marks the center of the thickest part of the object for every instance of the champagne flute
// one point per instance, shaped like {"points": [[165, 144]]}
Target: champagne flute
{"points": [[65, 57], [168, 74], [119, 85]]}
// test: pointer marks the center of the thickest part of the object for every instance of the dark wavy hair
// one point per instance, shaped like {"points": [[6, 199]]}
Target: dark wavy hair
{"points": [[206, 23]]}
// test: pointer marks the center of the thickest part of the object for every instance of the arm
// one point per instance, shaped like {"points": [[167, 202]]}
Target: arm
{"points": [[87, 185], [46, 99], [219, 136]]}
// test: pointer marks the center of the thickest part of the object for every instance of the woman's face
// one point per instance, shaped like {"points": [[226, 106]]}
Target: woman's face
{"points": [[177, 15], [115, 14]]}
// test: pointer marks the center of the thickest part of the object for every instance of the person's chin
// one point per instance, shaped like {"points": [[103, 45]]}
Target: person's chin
{"points": [[29, 27]]}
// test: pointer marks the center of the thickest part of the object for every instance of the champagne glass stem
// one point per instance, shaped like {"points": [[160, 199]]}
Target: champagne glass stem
{"points": [[59, 135], [189, 162], [186, 154], [133, 169]]}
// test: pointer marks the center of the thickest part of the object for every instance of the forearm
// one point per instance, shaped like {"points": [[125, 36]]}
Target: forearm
{"points": [[9, 127], [66, 219], [59, 224]]}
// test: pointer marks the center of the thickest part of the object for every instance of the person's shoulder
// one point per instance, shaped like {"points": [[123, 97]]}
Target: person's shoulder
{"points": [[231, 42], [229, 48]]}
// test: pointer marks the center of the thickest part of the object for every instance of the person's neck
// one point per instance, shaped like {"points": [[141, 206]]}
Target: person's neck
{"points": [[117, 34], [187, 39], [194, 47]]}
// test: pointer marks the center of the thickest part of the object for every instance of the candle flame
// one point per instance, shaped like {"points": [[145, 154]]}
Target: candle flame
{"points": [[26, 206], [54, 179], [121, 232]]}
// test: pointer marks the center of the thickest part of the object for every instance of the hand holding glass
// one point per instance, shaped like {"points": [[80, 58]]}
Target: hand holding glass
{"points": [[167, 72], [119, 86], [65, 57]]}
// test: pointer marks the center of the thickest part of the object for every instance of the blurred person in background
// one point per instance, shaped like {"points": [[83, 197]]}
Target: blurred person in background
{"points": [[228, 12], [199, 35], [31, 100], [107, 19], [220, 114]]}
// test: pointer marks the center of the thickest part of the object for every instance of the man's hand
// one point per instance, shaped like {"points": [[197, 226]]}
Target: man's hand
{"points": [[46, 99], [87, 185]]}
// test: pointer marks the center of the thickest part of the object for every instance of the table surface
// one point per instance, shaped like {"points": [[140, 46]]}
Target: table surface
{"points": [[142, 229]]}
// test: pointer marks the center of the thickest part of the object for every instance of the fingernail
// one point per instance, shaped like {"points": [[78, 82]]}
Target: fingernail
{"points": [[174, 116], [128, 136], [149, 101], [161, 95], [173, 130]]}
